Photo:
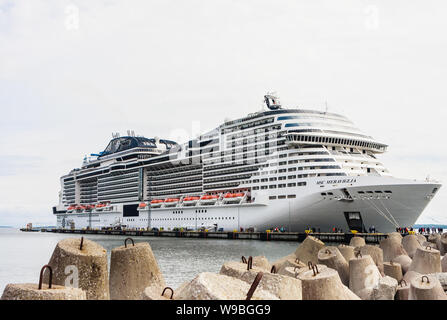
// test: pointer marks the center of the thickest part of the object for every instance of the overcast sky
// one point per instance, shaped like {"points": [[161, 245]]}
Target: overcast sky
{"points": [[73, 72]]}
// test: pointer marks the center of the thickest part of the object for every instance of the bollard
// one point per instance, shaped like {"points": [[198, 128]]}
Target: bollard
{"points": [[426, 260], [308, 249], [324, 285], [30, 291], [376, 254], [357, 242], [133, 268], [211, 286], [363, 273], [393, 270], [282, 286], [391, 248], [331, 257], [347, 252], [404, 261], [426, 287], [83, 266], [411, 243]]}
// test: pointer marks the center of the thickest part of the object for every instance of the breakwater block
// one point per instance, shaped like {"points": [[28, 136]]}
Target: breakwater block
{"points": [[347, 252], [324, 285], [357, 242], [363, 273], [426, 287], [403, 291], [308, 249], [404, 261], [394, 235], [411, 243], [288, 261], [426, 260], [283, 287], [376, 254], [82, 263], [155, 292], [331, 257], [262, 263], [295, 271], [421, 238], [444, 263], [392, 247], [211, 286], [443, 244], [31, 291], [133, 268], [393, 270]]}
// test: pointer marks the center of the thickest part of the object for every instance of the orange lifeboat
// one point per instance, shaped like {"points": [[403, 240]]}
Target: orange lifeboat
{"points": [[209, 199], [142, 205], [190, 200], [171, 202], [233, 197], [156, 203]]}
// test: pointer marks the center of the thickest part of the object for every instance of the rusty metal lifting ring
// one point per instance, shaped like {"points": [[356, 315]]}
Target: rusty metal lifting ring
{"points": [[244, 260], [296, 267], [168, 288], [250, 263], [125, 242], [82, 242], [400, 282], [273, 269], [358, 254], [297, 260], [50, 280], [327, 251], [428, 248], [254, 285], [422, 279], [314, 267], [309, 264]]}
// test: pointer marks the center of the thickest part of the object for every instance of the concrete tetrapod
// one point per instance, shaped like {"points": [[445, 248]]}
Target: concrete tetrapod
{"points": [[376, 254], [331, 257], [393, 270], [81, 263], [324, 285], [444, 263], [421, 238], [308, 250], [444, 243], [430, 244], [426, 287], [133, 268], [357, 242], [295, 271], [426, 260], [262, 262], [347, 252], [288, 261], [211, 286], [391, 248], [410, 275], [403, 291], [411, 243], [363, 273], [394, 235], [404, 261], [31, 291], [436, 238], [283, 287], [155, 292]]}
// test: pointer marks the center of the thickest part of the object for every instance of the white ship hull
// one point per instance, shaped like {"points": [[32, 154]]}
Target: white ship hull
{"points": [[401, 206]]}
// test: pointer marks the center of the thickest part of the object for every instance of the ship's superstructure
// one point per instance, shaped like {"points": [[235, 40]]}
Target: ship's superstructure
{"points": [[291, 168]]}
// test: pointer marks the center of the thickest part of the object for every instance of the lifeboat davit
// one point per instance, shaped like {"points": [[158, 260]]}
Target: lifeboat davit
{"points": [[156, 203], [188, 201], [171, 202], [208, 199]]}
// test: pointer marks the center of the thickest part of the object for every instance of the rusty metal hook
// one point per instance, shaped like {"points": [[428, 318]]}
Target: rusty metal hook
{"points": [[125, 242], [422, 279], [327, 251], [428, 248], [358, 254], [273, 269], [314, 267], [50, 280], [168, 288], [244, 260], [82, 242], [400, 282], [254, 285], [250, 263], [309, 264], [297, 260]]}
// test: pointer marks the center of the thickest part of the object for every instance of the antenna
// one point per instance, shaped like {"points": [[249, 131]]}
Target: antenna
{"points": [[326, 106]]}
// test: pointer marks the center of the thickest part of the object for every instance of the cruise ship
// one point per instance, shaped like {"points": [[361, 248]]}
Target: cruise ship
{"points": [[291, 169]]}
